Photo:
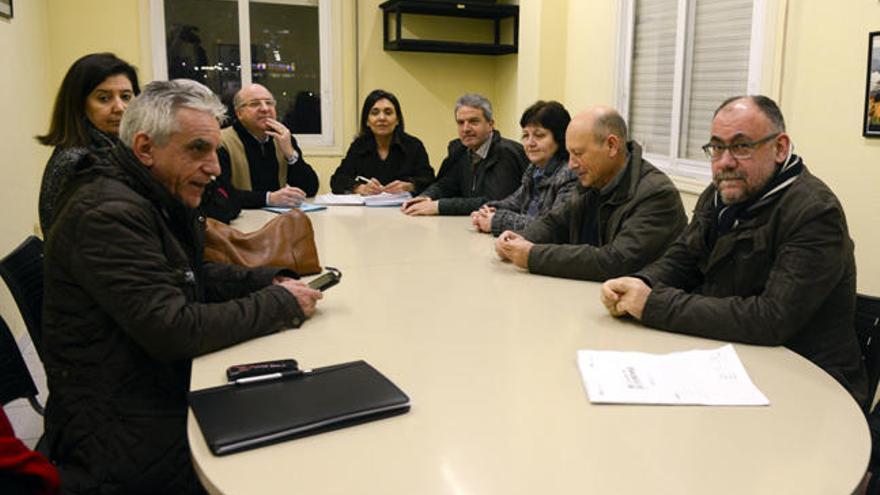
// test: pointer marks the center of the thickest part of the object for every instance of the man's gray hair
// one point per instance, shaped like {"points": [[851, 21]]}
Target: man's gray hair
{"points": [[475, 100], [154, 111]]}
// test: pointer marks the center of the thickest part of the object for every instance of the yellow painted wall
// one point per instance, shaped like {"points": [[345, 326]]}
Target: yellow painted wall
{"points": [[553, 54], [591, 59], [88, 26], [823, 91], [567, 53], [538, 71], [507, 92], [24, 107], [523, 78]]}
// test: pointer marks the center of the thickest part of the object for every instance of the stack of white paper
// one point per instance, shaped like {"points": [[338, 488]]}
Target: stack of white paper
{"points": [[339, 199], [381, 199], [712, 377], [387, 199]]}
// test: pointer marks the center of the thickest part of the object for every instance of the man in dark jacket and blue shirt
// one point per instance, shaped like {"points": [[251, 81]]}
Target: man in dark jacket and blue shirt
{"points": [[623, 215], [129, 301], [767, 258], [480, 166]]}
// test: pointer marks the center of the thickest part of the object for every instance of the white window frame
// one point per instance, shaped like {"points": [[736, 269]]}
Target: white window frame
{"points": [[689, 175], [330, 38]]}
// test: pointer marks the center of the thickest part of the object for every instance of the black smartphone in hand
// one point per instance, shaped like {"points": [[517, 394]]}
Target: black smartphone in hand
{"points": [[330, 278]]}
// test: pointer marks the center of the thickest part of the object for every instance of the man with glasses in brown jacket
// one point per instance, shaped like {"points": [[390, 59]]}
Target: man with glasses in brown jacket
{"points": [[766, 259]]}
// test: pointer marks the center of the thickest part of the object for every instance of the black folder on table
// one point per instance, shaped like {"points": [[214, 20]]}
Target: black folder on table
{"points": [[240, 417]]}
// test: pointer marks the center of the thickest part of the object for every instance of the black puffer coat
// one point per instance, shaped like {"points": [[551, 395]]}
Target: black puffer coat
{"points": [[128, 303]]}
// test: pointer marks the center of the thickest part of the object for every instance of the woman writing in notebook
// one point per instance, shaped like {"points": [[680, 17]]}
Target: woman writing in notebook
{"points": [[383, 158]]}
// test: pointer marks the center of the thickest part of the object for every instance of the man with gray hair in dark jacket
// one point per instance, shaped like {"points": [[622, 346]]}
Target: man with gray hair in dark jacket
{"points": [[480, 165], [129, 300]]}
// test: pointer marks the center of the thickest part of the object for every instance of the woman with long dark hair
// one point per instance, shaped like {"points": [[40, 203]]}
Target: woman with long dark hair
{"points": [[546, 183], [383, 158], [86, 117]]}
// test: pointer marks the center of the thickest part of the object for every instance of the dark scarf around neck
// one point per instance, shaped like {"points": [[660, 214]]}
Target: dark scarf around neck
{"points": [[727, 217]]}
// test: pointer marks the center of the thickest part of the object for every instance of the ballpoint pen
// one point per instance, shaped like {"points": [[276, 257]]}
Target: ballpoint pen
{"points": [[271, 376]]}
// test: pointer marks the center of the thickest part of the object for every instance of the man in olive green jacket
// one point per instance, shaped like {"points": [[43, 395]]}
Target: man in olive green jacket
{"points": [[623, 215]]}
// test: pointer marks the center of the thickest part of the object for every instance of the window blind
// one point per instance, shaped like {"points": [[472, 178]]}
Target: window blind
{"points": [[653, 74], [716, 68]]}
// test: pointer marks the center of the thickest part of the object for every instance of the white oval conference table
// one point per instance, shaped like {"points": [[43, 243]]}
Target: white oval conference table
{"points": [[487, 354]]}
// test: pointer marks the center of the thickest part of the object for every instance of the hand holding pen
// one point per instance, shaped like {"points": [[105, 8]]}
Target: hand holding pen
{"points": [[367, 187], [398, 186]]}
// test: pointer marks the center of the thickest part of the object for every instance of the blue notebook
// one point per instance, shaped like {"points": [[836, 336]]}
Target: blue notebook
{"points": [[305, 208]]}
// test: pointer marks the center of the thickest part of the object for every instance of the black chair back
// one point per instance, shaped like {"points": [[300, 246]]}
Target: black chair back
{"points": [[15, 378], [867, 324], [22, 270]]}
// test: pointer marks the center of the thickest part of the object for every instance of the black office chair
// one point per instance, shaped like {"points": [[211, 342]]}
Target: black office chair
{"points": [[15, 378], [22, 270], [867, 324]]}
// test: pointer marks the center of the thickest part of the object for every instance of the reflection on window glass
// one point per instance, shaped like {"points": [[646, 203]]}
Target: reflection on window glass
{"points": [[285, 55], [202, 44]]}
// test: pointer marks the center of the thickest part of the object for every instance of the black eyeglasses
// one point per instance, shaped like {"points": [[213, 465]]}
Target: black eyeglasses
{"points": [[739, 150]]}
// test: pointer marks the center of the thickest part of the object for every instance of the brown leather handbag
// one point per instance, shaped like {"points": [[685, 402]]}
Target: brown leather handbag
{"points": [[287, 241]]}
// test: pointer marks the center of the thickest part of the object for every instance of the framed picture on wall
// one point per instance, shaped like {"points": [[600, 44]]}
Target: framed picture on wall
{"points": [[871, 124], [6, 9]]}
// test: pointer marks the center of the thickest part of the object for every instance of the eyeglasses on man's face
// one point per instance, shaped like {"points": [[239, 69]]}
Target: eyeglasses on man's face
{"points": [[255, 104], [741, 150]]}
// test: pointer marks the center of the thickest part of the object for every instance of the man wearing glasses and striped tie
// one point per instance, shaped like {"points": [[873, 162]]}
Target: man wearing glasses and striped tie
{"points": [[767, 258]]}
